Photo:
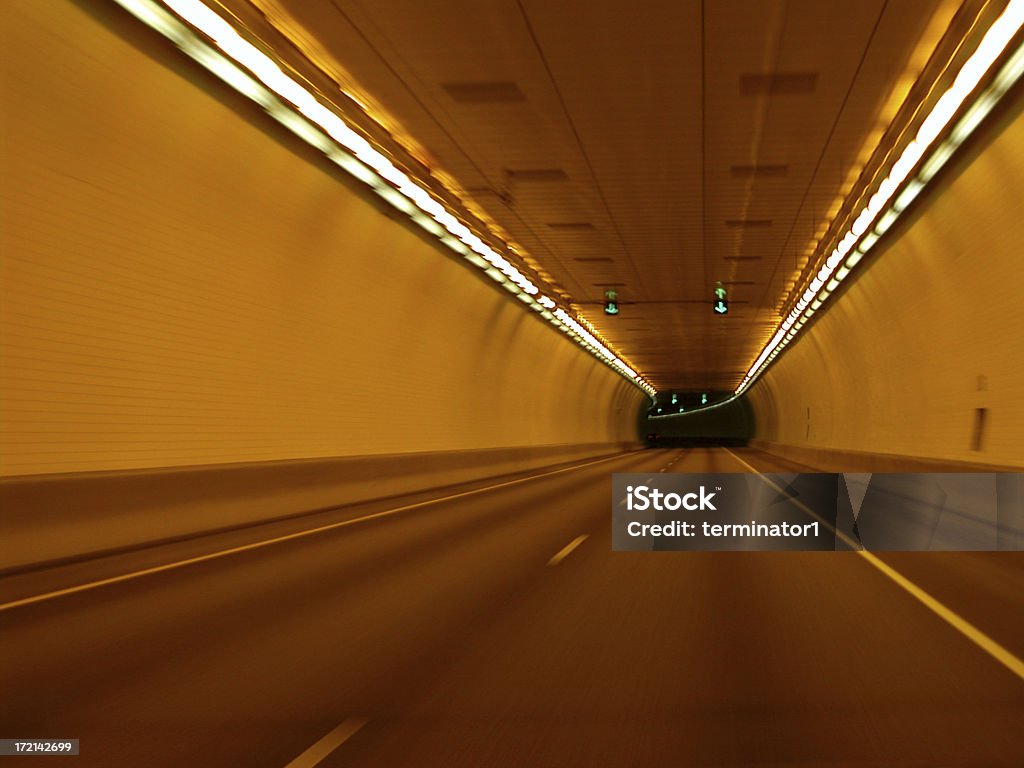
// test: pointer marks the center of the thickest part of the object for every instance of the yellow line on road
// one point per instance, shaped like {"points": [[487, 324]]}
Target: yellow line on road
{"points": [[565, 551], [958, 622]]}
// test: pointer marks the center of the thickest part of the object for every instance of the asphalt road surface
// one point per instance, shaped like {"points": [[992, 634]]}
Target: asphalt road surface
{"points": [[499, 629]]}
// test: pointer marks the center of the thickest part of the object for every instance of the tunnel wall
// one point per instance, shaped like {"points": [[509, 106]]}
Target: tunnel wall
{"points": [[894, 372], [187, 285]]}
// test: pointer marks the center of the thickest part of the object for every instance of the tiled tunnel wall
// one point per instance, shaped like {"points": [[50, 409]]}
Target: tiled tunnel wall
{"points": [[186, 285], [923, 356]]}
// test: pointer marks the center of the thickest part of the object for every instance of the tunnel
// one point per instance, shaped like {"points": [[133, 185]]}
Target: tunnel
{"points": [[512, 383]]}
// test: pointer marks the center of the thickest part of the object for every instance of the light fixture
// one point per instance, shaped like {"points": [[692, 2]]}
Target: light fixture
{"points": [[992, 46], [248, 70]]}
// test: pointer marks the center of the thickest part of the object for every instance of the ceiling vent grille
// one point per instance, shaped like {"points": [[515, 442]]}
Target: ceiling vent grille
{"points": [[748, 223], [776, 83], [484, 93], [571, 226], [758, 171], [538, 176]]}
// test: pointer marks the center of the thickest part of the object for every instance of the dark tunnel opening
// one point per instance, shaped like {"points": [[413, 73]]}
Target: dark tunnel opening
{"points": [[730, 424]]}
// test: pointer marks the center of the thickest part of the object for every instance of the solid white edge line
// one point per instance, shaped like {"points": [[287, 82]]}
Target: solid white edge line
{"points": [[959, 623], [289, 537], [565, 551], [322, 748]]}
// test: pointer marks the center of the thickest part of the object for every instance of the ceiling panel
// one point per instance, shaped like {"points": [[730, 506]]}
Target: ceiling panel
{"points": [[657, 147]]}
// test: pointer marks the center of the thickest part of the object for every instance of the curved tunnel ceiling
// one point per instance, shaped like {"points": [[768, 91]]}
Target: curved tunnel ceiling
{"points": [[654, 153]]}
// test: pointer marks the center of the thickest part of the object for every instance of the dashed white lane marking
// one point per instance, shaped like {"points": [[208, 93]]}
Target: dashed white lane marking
{"points": [[565, 551], [648, 480], [959, 623], [315, 754], [288, 537], [672, 463]]}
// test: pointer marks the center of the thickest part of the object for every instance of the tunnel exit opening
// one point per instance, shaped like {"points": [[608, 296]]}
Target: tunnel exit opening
{"points": [[728, 425]]}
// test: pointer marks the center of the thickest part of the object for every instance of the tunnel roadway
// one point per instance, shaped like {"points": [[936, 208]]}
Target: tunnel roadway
{"points": [[497, 628]]}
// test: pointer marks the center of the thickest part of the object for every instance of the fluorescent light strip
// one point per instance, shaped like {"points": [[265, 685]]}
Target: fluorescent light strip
{"points": [[974, 69], [306, 117]]}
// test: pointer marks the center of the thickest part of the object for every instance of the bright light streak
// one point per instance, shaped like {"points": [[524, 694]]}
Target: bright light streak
{"points": [[364, 162], [992, 46]]}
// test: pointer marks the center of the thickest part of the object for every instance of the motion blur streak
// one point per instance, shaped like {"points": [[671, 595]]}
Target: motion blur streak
{"points": [[270, 74], [447, 631], [277, 540], [295, 467]]}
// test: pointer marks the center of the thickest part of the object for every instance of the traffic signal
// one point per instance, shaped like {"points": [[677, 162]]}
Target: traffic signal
{"points": [[704, 398], [611, 303], [720, 306]]}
